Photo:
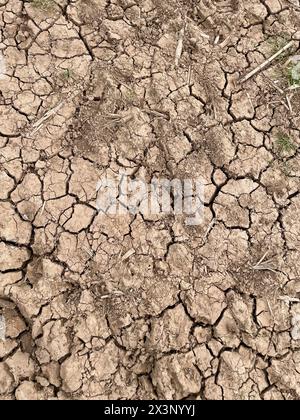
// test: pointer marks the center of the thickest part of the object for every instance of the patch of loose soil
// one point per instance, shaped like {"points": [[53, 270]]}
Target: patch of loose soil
{"points": [[140, 306]]}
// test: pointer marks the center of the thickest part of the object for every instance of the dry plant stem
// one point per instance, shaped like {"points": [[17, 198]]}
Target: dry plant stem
{"points": [[189, 77], [39, 124], [128, 254], [157, 113], [294, 87], [225, 42], [264, 265], [201, 33], [179, 48], [266, 63], [274, 85], [285, 105], [289, 104], [288, 299], [43, 208], [262, 259], [116, 293], [251, 103], [217, 39], [209, 228]]}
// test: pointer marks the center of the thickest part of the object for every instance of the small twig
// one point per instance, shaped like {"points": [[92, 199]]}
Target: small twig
{"points": [[294, 87], [285, 105], [203, 34], [217, 39], [158, 114], [88, 251], [209, 228], [270, 309], [266, 63], [225, 42], [39, 124], [117, 293], [289, 104], [251, 103], [128, 254], [189, 77], [2, 328], [274, 102], [117, 118], [43, 208], [179, 48], [274, 85], [264, 265], [271, 336], [215, 111], [288, 299], [114, 116], [262, 258]]}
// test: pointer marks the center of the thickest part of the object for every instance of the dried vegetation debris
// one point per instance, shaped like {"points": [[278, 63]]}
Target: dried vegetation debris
{"points": [[140, 307]]}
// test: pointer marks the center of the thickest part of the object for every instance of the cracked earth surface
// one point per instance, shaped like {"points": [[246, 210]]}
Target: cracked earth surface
{"points": [[139, 307]]}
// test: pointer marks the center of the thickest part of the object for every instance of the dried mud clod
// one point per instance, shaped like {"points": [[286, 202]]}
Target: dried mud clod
{"points": [[137, 306]]}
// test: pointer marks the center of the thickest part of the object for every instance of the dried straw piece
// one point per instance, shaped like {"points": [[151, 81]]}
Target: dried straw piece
{"points": [[266, 63]]}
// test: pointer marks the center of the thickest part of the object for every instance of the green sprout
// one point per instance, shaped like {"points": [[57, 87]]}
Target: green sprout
{"points": [[67, 74], [284, 144], [42, 4]]}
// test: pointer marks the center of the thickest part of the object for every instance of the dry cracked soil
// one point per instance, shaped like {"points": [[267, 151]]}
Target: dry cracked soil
{"points": [[137, 306]]}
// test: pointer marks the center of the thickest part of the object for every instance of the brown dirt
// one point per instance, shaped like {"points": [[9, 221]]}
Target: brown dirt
{"points": [[188, 313]]}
